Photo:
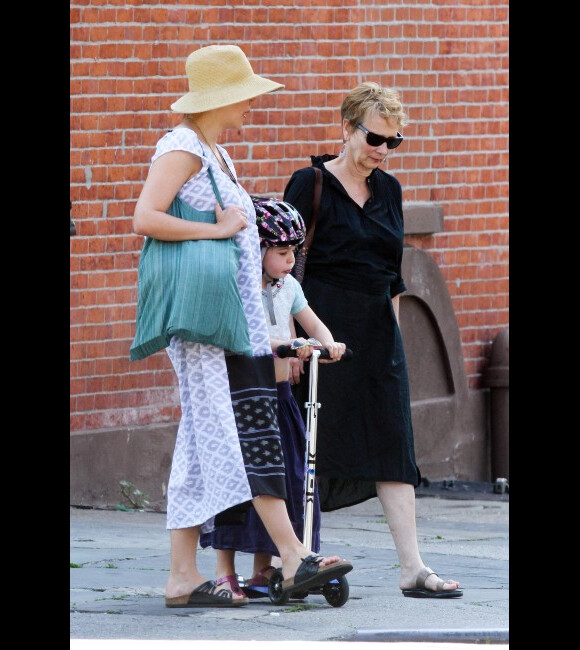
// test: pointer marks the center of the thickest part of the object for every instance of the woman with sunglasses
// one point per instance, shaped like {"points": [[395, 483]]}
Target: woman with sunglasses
{"points": [[365, 445]]}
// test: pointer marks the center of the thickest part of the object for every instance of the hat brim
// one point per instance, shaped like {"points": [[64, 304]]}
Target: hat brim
{"points": [[198, 102]]}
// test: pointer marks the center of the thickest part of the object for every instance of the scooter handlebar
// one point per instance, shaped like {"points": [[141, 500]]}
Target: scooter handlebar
{"points": [[284, 351]]}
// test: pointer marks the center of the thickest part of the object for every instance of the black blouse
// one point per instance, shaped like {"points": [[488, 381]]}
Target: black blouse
{"points": [[353, 247]]}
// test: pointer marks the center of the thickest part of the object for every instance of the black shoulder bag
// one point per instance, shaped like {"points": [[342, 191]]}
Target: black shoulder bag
{"points": [[301, 254]]}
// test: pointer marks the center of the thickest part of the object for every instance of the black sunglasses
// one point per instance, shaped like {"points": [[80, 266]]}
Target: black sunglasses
{"points": [[376, 140]]}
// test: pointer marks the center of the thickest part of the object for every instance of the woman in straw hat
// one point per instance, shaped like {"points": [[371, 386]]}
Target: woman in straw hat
{"points": [[227, 453]]}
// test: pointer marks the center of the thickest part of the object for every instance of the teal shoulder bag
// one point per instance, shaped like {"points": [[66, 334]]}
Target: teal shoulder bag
{"points": [[189, 289]]}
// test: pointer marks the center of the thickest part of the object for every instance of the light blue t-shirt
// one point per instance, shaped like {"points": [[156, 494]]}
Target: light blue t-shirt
{"points": [[288, 299]]}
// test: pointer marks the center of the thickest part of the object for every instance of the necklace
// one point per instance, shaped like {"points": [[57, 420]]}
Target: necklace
{"points": [[222, 163], [225, 166]]}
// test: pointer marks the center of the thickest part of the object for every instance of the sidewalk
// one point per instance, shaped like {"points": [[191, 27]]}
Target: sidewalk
{"points": [[117, 591]]}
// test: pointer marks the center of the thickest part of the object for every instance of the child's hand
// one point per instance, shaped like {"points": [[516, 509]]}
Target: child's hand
{"points": [[302, 346], [335, 349]]}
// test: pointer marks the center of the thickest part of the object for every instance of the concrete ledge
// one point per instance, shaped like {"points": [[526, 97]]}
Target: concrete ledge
{"points": [[455, 636], [422, 218], [100, 459], [464, 490]]}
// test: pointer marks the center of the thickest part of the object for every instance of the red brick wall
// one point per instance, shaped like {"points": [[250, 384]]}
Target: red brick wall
{"points": [[448, 59]]}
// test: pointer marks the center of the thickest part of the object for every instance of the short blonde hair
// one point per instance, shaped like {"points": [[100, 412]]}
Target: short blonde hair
{"points": [[370, 98]]}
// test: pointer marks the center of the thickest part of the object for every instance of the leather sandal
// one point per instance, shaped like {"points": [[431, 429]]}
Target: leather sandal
{"points": [[206, 595], [311, 574], [232, 580], [257, 585], [421, 591]]}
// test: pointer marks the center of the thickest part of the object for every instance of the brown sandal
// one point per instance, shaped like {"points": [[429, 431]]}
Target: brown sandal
{"points": [[310, 574], [206, 596]]}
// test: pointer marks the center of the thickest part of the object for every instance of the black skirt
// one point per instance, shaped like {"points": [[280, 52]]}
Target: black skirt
{"points": [[364, 431]]}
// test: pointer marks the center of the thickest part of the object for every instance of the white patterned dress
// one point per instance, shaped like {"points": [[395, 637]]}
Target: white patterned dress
{"points": [[227, 449]]}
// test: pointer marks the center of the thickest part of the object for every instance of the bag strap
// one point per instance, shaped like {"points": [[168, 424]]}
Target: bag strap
{"points": [[315, 207], [215, 187]]}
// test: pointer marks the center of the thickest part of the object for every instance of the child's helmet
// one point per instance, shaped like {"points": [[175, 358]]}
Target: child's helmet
{"points": [[279, 223]]}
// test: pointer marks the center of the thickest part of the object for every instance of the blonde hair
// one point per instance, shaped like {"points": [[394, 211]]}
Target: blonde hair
{"points": [[370, 98]]}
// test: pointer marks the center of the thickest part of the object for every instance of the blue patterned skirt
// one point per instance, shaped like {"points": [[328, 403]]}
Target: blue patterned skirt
{"points": [[248, 533]]}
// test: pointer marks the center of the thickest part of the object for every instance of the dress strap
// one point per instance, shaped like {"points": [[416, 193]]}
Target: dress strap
{"points": [[215, 187]]}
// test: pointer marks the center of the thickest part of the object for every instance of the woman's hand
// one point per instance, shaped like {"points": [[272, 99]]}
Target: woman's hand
{"points": [[296, 369], [230, 220]]}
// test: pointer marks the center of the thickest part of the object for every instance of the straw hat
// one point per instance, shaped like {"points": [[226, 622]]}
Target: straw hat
{"points": [[220, 75]]}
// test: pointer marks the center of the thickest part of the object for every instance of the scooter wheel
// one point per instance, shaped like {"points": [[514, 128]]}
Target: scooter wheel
{"points": [[336, 592], [275, 589]]}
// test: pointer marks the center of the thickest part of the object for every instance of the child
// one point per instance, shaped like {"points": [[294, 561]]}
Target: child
{"points": [[281, 230]]}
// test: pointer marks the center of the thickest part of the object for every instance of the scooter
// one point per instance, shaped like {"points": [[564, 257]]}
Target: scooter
{"points": [[335, 591]]}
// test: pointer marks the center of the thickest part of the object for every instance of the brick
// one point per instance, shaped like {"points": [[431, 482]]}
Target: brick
{"points": [[450, 64]]}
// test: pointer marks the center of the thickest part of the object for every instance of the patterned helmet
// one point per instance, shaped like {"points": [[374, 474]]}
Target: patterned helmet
{"points": [[279, 223]]}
